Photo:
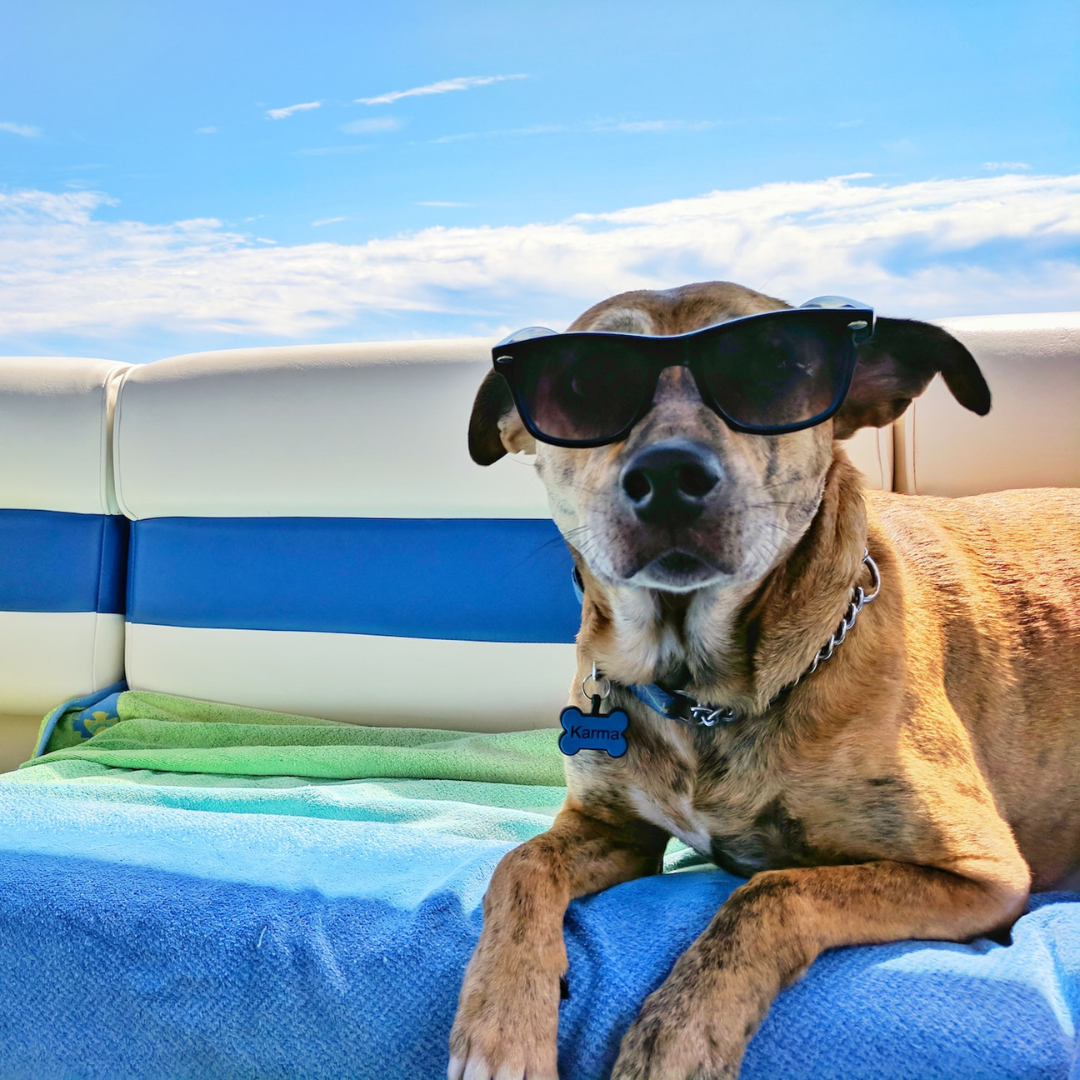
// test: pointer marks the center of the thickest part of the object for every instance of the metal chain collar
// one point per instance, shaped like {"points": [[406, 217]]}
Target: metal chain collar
{"points": [[859, 600], [686, 709]]}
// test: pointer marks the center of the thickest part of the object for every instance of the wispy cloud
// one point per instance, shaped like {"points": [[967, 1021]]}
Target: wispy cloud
{"points": [[327, 221], [373, 124], [931, 248], [901, 147], [625, 127], [446, 86], [1007, 166], [322, 151], [655, 127], [25, 130], [536, 129], [281, 114], [206, 130]]}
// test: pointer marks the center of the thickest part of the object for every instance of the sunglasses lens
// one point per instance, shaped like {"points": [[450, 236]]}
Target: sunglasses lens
{"points": [[774, 373], [581, 389]]}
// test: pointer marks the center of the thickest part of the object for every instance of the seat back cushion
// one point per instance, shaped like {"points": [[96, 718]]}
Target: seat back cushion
{"points": [[63, 543], [1030, 438], [310, 535], [870, 450]]}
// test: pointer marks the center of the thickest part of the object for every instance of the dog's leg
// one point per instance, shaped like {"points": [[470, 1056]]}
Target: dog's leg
{"points": [[508, 1011], [697, 1024]]}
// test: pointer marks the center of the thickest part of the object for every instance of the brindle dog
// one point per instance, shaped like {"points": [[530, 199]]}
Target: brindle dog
{"points": [[917, 785]]}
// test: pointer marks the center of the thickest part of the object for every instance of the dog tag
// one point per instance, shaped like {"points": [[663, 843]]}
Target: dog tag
{"points": [[593, 731]]}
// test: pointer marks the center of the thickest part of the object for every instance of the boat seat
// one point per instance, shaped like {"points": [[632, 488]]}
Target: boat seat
{"points": [[1030, 438], [310, 535], [62, 539]]}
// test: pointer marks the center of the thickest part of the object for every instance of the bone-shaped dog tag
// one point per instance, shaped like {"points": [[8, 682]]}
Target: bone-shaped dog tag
{"points": [[592, 731]]}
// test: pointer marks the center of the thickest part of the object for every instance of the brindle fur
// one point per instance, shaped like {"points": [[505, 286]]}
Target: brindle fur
{"points": [[916, 786]]}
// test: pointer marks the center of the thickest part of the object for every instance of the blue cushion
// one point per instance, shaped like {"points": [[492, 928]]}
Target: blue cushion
{"points": [[460, 579], [53, 561]]}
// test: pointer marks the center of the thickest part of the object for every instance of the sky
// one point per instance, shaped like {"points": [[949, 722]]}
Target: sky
{"points": [[207, 175]]}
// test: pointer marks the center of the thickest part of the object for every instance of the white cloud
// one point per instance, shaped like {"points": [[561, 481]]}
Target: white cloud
{"points": [[443, 87], [281, 114], [206, 130], [626, 127], [656, 127], [327, 221], [375, 123], [928, 249], [437, 202], [25, 130], [1008, 166], [536, 129]]}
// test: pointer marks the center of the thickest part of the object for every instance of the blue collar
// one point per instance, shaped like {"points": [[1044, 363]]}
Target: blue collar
{"points": [[674, 704], [681, 706], [684, 707]]}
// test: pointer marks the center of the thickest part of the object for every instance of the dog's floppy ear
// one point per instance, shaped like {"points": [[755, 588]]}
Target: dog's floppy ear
{"points": [[495, 427], [897, 364]]}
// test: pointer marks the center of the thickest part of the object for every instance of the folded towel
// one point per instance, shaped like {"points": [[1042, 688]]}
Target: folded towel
{"points": [[196, 925], [488, 786], [158, 731]]}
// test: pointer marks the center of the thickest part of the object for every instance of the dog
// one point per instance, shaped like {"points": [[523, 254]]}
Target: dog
{"points": [[917, 784]]}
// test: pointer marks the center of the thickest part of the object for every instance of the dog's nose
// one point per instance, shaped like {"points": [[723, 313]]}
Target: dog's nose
{"points": [[667, 482]]}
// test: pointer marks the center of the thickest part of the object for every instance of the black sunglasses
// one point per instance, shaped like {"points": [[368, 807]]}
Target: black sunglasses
{"points": [[764, 374]]}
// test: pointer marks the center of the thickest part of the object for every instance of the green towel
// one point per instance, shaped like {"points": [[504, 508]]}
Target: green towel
{"points": [[159, 750], [178, 735]]}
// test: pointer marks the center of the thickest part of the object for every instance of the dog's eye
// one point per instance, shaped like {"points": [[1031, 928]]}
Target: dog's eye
{"points": [[591, 378]]}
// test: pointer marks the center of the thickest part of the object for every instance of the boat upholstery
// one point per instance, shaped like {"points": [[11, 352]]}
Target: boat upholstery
{"points": [[308, 533], [1031, 437], [62, 539]]}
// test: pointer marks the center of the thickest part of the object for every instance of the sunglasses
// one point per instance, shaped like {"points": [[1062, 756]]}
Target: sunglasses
{"points": [[764, 374]]}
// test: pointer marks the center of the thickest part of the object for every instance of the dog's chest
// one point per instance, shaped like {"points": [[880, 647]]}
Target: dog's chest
{"points": [[741, 840], [677, 815], [726, 809]]}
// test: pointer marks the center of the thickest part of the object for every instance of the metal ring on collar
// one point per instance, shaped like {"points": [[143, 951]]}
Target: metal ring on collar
{"points": [[875, 578], [597, 679]]}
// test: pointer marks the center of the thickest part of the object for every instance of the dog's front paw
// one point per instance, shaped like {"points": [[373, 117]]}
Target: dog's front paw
{"points": [[676, 1037], [506, 1025]]}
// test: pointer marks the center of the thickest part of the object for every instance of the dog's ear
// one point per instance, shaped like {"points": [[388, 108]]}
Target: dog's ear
{"points": [[495, 427], [897, 364]]}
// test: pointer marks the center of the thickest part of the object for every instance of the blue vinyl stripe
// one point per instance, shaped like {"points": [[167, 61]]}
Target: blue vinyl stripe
{"points": [[52, 561], [452, 579]]}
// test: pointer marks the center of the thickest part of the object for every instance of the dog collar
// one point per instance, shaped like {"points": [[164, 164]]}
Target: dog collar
{"points": [[686, 709], [681, 706]]}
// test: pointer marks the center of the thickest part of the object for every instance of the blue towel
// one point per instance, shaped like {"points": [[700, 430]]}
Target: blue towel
{"points": [[145, 940]]}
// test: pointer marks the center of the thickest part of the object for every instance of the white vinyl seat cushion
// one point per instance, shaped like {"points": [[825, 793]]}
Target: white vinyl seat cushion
{"points": [[63, 554], [1030, 438], [309, 534], [370, 430]]}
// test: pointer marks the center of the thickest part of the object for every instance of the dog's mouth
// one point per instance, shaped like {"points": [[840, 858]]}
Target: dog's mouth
{"points": [[680, 563], [677, 570]]}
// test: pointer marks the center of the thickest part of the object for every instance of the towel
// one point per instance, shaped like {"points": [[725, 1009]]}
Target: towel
{"points": [[159, 731], [162, 923]]}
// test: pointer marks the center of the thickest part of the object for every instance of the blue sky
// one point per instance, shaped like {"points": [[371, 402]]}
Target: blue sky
{"points": [[204, 175]]}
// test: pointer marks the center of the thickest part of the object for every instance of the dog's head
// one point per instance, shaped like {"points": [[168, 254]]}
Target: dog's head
{"points": [[686, 501]]}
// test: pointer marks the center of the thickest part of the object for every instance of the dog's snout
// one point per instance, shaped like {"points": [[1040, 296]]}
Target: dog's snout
{"points": [[667, 483]]}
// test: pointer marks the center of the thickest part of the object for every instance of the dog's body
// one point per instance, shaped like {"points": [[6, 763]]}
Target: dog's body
{"points": [[915, 786]]}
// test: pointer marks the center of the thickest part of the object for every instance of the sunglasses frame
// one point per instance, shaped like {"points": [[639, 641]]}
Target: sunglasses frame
{"points": [[662, 351]]}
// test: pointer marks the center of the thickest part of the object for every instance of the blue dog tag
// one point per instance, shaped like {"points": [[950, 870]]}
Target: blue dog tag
{"points": [[591, 731]]}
